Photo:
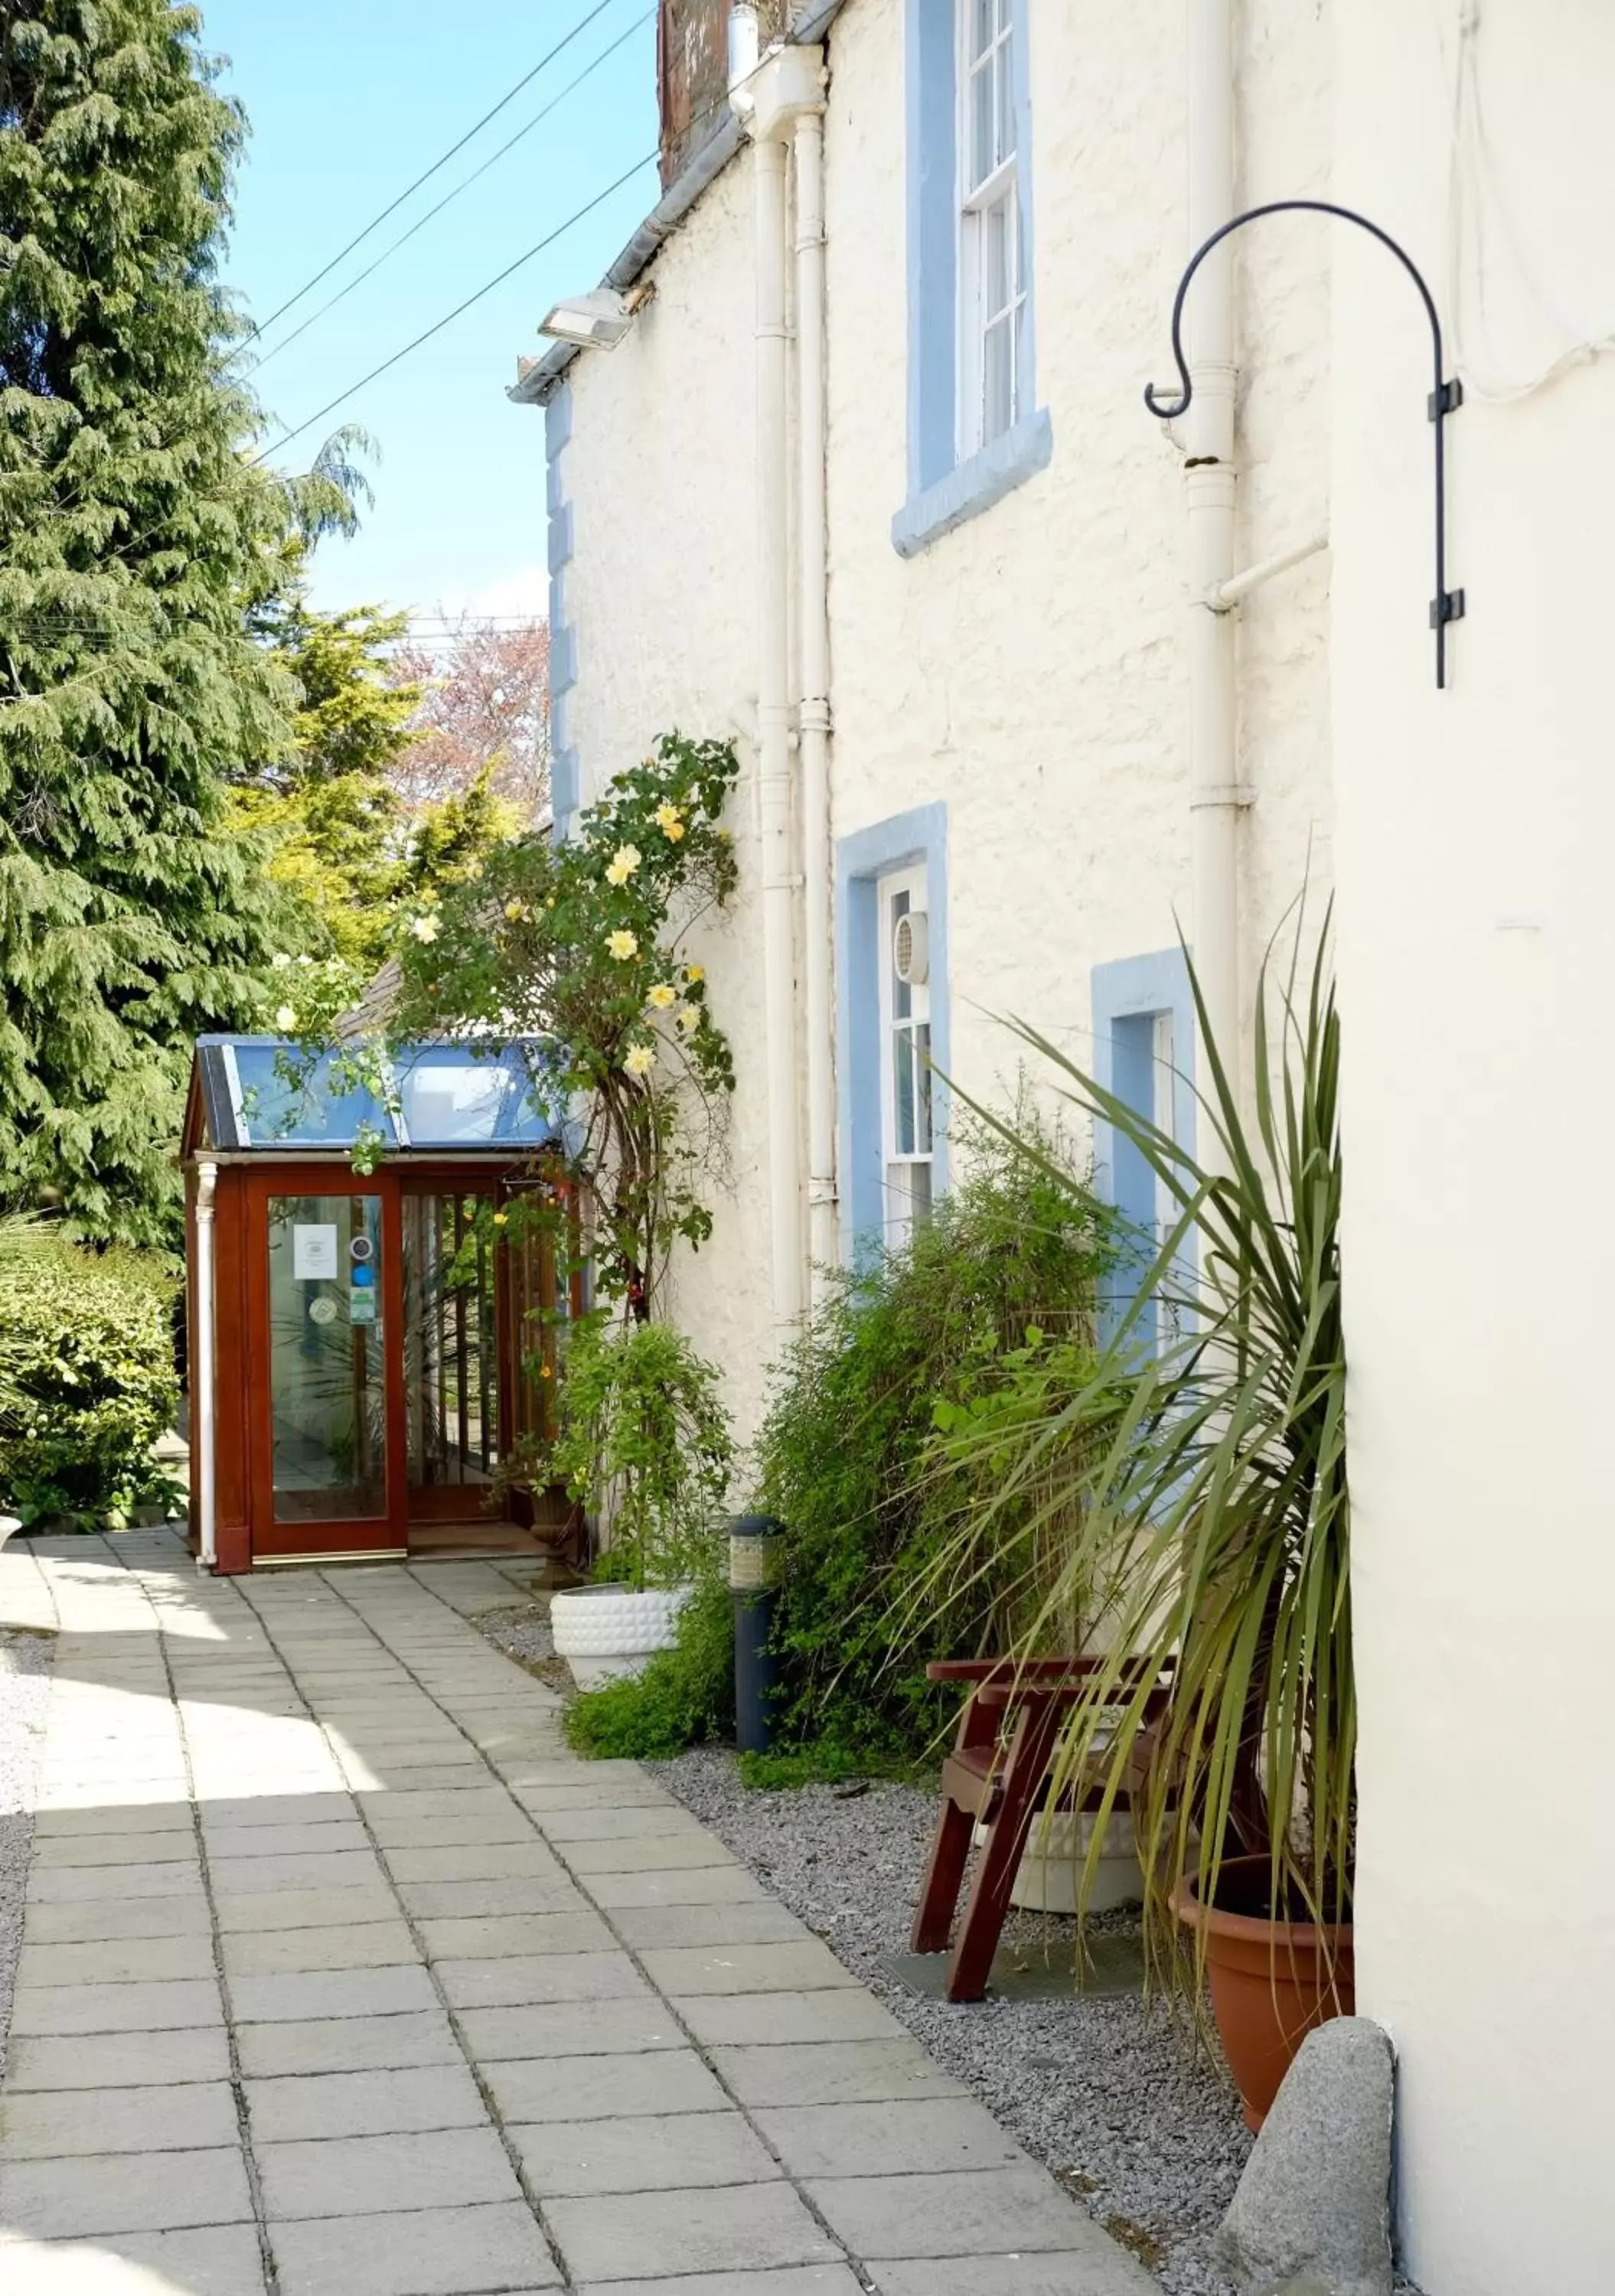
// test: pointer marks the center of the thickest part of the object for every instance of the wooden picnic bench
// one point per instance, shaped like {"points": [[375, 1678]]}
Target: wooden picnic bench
{"points": [[998, 1777]]}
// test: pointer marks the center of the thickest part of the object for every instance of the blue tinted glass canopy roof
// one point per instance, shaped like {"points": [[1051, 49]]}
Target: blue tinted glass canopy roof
{"points": [[271, 1094]]}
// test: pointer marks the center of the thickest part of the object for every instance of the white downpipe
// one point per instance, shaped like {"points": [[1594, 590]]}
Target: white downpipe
{"points": [[1215, 796], [773, 737], [813, 712], [202, 1433]]}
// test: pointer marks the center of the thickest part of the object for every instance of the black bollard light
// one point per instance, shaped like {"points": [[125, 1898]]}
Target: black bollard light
{"points": [[757, 1554]]}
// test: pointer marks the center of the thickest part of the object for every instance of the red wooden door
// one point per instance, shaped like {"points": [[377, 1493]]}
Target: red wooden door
{"points": [[325, 1309]]}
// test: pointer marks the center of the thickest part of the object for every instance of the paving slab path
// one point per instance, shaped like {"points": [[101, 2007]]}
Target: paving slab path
{"points": [[340, 1976]]}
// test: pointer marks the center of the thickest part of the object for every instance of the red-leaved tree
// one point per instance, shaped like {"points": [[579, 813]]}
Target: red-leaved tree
{"points": [[484, 709]]}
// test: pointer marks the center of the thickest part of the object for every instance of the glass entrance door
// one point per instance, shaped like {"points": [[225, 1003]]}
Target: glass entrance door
{"points": [[451, 1353], [327, 1359]]}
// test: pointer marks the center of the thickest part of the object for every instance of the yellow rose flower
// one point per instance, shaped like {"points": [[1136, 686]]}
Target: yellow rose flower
{"points": [[622, 945], [670, 821], [515, 910], [662, 996], [425, 928], [695, 972], [686, 1019], [639, 1060], [622, 865], [500, 1218]]}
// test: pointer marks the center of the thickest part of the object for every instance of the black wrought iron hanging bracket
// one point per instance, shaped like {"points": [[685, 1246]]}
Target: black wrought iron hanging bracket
{"points": [[1446, 605]]}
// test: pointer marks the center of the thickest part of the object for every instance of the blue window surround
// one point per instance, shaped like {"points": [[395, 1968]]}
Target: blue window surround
{"points": [[563, 637], [1128, 996], [903, 841], [942, 491]]}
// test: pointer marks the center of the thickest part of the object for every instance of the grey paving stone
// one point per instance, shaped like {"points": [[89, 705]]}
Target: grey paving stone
{"points": [[359, 2176], [992, 2212], [177, 1844], [123, 2191], [58, 1885], [49, 2125], [906, 2138], [340, 1869], [696, 1885], [103, 2061], [324, 1839], [515, 1893], [274, 1813], [215, 2261], [364, 2105], [483, 1861], [624, 1793], [633, 2236], [254, 1912], [363, 1944], [493, 1935], [838, 2013], [643, 1853], [394, 1809], [571, 2028], [682, 1971], [519, 1770], [656, 1927], [116, 2008], [154, 1817], [833, 2072], [116, 1961], [296, 1996], [514, 1980], [327, 2045], [427, 2253], [466, 1773], [487, 1829], [793, 2279], [1097, 2268], [604, 2089], [646, 2154], [110, 1918], [633, 1822]]}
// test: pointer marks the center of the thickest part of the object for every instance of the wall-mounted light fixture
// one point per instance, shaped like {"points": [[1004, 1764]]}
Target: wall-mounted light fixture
{"points": [[1446, 605], [597, 321]]}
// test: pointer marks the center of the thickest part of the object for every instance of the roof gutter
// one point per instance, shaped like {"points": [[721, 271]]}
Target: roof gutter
{"points": [[540, 380]]}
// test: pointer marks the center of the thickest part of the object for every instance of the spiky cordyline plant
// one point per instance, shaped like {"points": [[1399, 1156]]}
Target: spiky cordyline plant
{"points": [[1212, 1524]]}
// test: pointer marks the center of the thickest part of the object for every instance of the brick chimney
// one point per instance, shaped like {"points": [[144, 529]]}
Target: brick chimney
{"points": [[693, 73]]}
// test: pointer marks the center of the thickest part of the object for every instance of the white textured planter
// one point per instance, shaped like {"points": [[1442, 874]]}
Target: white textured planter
{"points": [[605, 1632], [1052, 1864]]}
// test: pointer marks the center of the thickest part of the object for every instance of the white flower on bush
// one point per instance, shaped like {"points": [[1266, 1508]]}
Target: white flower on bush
{"points": [[622, 945], [285, 1018], [639, 1060], [662, 996], [623, 864], [425, 927], [280, 960], [686, 1019]]}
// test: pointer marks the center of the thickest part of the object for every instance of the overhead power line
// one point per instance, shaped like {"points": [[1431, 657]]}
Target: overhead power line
{"points": [[442, 161], [449, 317], [449, 198]]}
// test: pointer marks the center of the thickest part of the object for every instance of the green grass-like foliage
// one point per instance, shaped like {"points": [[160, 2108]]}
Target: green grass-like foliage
{"points": [[86, 1376], [881, 1575], [1206, 1486], [685, 1697]]}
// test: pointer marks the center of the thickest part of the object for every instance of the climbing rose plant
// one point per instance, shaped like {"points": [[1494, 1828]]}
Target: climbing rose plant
{"points": [[584, 945]]}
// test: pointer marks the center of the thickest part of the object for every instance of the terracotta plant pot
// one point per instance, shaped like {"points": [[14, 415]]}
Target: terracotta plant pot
{"points": [[1271, 1982]]}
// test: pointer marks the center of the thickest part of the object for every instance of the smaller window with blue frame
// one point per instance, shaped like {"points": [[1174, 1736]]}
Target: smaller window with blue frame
{"points": [[1143, 1055], [974, 429]]}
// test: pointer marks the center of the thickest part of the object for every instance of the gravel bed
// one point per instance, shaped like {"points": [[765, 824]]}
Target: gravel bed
{"points": [[25, 1666], [1110, 2095], [523, 1632]]}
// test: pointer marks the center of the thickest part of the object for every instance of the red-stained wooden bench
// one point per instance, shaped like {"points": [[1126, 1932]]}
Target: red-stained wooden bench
{"points": [[997, 1778]]}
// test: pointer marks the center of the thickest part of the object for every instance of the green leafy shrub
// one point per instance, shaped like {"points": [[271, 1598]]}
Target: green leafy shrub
{"points": [[685, 1697], [996, 1293], [87, 1380], [644, 1437]]}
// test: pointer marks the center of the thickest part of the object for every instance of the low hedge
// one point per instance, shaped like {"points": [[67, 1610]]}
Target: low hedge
{"points": [[87, 1378]]}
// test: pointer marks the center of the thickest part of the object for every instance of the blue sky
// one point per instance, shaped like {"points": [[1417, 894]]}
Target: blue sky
{"points": [[348, 101]]}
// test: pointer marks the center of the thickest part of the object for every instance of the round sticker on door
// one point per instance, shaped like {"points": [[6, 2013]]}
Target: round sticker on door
{"points": [[322, 1311], [361, 1248]]}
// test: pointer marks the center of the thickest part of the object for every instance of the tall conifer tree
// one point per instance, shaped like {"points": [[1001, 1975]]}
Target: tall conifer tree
{"points": [[134, 538]]}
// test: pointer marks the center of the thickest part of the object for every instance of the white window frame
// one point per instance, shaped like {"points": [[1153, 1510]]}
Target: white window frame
{"points": [[997, 193], [897, 1199]]}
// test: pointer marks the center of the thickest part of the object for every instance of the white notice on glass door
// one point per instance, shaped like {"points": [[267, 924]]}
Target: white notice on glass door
{"points": [[314, 1253]]}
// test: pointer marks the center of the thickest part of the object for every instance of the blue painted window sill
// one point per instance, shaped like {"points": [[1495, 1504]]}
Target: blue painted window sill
{"points": [[975, 486]]}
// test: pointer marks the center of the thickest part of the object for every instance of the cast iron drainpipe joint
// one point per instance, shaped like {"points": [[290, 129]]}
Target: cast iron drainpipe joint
{"points": [[1448, 396], [757, 1556]]}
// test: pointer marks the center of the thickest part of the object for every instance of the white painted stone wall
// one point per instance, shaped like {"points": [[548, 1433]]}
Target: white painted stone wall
{"points": [[1029, 668], [1477, 951]]}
